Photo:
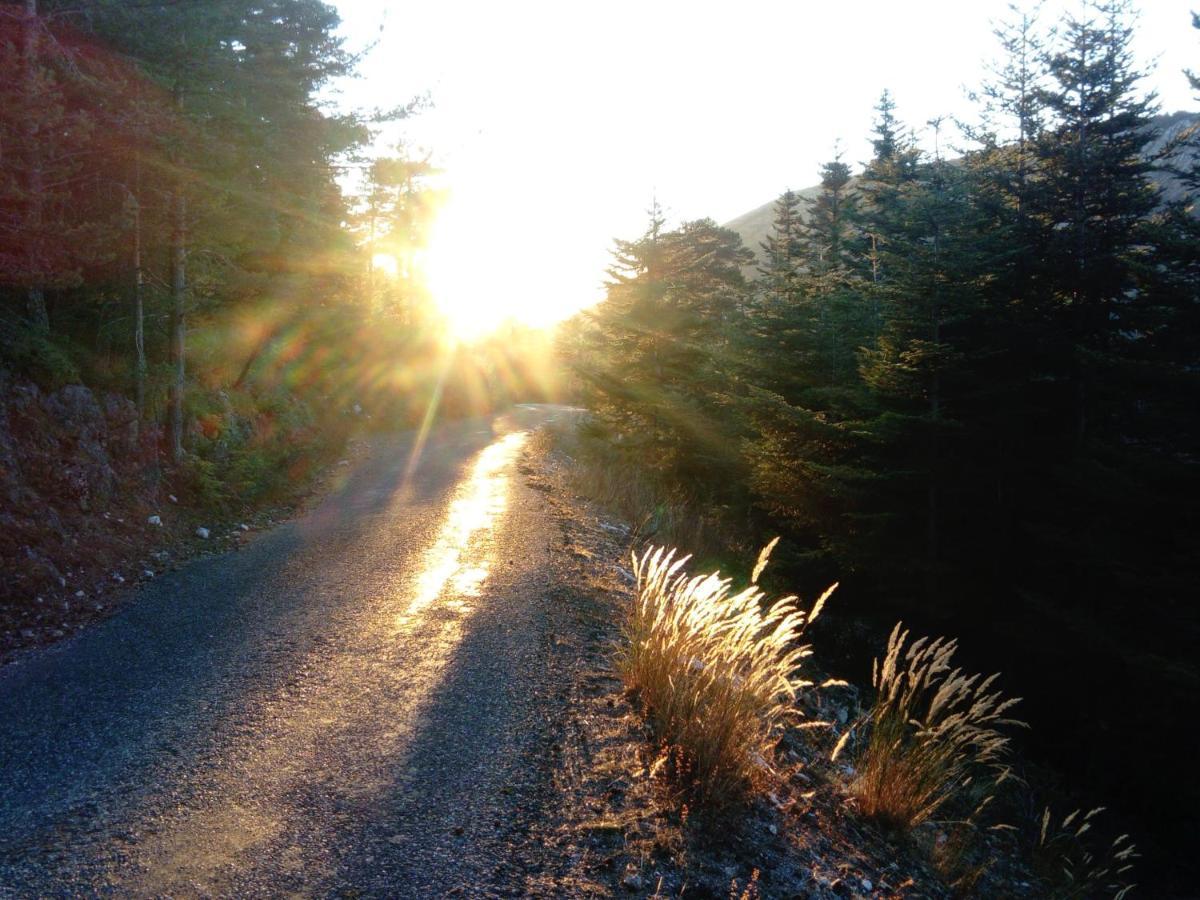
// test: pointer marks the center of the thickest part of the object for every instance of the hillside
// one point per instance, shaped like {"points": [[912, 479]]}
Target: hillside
{"points": [[754, 225]]}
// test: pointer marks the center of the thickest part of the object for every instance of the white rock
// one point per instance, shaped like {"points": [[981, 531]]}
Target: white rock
{"points": [[79, 593], [343, 462], [154, 520], [244, 527], [357, 410], [148, 573], [117, 578], [172, 498], [868, 885], [202, 532]]}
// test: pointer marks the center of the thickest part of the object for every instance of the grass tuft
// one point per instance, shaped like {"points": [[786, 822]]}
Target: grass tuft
{"points": [[934, 734], [717, 671], [1073, 868]]}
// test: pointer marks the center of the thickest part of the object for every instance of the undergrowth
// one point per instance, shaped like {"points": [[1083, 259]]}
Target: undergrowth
{"points": [[659, 511], [934, 734], [717, 671], [1074, 867]]}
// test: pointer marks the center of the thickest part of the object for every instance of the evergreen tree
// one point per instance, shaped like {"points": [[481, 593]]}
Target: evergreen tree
{"points": [[835, 288], [782, 247], [656, 360], [1095, 192]]}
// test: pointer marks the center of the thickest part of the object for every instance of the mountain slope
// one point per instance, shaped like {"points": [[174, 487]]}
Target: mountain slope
{"points": [[754, 225]]}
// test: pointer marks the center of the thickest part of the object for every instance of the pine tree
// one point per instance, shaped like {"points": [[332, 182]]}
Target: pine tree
{"points": [[834, 288], [656, 358], [1095, 192], [930, 291]]}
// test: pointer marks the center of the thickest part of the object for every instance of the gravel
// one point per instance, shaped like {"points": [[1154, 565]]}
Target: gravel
{"points": [[307, 714]]}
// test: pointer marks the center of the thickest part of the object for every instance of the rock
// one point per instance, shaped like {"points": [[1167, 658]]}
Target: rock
{"points": [[172, 498], [79, 432], [202, 533], [868, 885], [632, 881], [343, 462], [154, 520], [244, 527], [147, 573]]}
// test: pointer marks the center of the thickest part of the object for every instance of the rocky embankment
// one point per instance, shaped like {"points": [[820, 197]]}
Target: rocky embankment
{"points": [[85, 510]]}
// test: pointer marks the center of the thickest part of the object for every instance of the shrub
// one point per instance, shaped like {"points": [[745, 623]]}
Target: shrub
{"points": [[933, 734], [717, 671]]}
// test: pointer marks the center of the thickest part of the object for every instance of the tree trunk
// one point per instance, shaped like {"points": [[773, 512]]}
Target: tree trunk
{"points": [[178, 318], [139, 319], [36, 293]]}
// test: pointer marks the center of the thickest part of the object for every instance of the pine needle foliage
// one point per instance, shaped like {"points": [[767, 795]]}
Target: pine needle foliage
{"points": [[718, 672], [934, 733]]}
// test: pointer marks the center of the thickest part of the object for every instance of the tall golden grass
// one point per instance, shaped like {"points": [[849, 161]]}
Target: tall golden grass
{"points": [[934, 734], [1070, 865], [718, 671]]}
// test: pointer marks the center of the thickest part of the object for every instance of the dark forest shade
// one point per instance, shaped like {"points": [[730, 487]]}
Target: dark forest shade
{"points": [[967, 390]]}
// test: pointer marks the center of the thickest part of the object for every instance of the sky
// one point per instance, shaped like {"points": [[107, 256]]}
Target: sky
{"points": [[558, 123]]}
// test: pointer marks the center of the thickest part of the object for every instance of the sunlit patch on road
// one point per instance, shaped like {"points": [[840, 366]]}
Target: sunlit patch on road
{"points": [[459, 561]]}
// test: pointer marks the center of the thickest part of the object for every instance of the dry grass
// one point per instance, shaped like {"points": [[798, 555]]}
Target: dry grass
{"points": [[718, 672], [1074, 870], [933, 734], [657, 511]]}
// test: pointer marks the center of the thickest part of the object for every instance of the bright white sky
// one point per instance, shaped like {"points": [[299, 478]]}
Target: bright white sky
{"points": [[559, 121]]}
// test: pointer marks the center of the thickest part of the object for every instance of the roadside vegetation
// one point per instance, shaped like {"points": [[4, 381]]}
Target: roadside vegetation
{"points": [[719, 675], [963, 387], [717, 672], [934, 733]]}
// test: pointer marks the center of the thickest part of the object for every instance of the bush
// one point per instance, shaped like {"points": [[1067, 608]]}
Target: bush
{"points": [[717, 674], [933, 734]]}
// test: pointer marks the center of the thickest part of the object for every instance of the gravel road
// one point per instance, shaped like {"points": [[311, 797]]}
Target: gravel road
{"points": [[361, 702]]}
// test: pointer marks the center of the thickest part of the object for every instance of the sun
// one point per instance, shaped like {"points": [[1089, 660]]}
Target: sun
{"points": [[469, 280], [482, 265]]}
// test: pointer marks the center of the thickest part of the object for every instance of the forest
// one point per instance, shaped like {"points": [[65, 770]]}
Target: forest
{"points": [[958, 378], [187, 220], [961, 381]]}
